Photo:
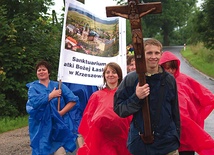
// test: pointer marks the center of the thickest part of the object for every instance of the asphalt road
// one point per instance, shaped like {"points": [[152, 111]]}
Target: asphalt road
{"points": [[201, 78]]}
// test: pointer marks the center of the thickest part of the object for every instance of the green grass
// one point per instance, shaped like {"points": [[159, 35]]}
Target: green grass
{"points": [[8, 123], [200, 58]]}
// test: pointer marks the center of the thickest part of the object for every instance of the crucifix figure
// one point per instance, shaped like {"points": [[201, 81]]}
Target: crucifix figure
{"points": [[134, 11], [135, 21]]}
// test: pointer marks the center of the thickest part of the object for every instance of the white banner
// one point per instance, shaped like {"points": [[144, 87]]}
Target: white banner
{"points": [[90, 40]]}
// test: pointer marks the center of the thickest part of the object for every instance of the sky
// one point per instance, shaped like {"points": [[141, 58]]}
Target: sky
{"points": [[59, 4], [89, 3], [199, 3]]}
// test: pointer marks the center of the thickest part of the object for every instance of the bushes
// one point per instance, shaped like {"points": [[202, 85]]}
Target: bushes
{"points": [[26, 36]]}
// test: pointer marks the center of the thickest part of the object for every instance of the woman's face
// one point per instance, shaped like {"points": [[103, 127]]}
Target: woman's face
{"points": [[111, 76], [167, 68], [42, 73]]}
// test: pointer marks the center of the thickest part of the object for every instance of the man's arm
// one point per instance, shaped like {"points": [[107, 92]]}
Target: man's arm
{"points": [[120, 14], [144, 13], [126, 101]]}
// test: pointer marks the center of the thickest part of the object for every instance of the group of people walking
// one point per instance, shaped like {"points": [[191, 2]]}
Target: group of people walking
{"points": [[110, 121]]}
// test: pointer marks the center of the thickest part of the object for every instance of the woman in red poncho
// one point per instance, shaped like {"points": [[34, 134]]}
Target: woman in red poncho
{"points": [[196, 103], [104, 132]]}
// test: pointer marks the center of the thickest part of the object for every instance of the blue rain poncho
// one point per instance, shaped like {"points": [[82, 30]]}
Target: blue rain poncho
{"points": [[83, 92], [48, 130]]}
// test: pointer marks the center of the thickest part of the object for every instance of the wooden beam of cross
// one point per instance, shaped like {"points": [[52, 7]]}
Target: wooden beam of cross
{"points": [[134, 11]]}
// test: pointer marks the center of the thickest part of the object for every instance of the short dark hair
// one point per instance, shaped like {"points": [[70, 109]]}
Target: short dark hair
{"points": [[45, 64], [173, 64], [130, 58]]}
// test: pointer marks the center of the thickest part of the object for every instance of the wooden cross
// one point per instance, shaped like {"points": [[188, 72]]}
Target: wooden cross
{"points": [[134, 11]]}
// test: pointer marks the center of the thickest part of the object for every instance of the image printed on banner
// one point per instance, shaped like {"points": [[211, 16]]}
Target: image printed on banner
{"points": [[89, 34]]}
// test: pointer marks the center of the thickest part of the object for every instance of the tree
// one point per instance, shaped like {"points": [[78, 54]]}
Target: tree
{"points": [[204, 25], [27, 35], [189, 31], [174, 15]]}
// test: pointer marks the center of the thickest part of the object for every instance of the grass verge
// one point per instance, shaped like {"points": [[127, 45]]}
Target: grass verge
{"points": [[200, 58], [8, 123]]}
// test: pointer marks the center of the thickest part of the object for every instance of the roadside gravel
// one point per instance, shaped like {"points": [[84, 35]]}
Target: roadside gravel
{"points": [[15, 142]]}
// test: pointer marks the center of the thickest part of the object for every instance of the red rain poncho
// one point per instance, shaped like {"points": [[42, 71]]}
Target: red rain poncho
{"points": [[196, 103], [104, 132]]}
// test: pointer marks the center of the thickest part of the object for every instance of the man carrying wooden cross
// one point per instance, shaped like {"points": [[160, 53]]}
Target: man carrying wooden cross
{"points": [[149, 85]]}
